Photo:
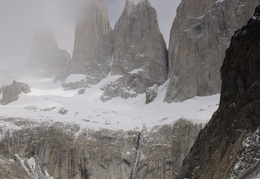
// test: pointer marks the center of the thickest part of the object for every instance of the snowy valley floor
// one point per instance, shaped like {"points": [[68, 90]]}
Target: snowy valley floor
{"points": [[49, 102]]}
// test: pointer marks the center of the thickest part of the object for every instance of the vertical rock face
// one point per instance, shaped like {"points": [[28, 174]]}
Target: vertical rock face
{"points": [[229, 144], [93, 44], [140, 53], [46, 55], [55, 150], [200, 34]]}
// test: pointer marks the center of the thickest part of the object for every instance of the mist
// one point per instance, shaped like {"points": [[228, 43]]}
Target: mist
{"points": [[20, 20]]}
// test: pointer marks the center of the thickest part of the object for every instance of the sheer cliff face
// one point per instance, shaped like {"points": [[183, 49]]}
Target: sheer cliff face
{"points": [[68, 152], [200, 34], [46, 55], [229, 144], [140, 53], [93, 43]]}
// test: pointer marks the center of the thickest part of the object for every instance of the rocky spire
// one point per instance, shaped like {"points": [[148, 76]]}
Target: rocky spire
{"points": [[129, 4], [140, 53], [93, 44], [46, 55], [229, 144], [200, 34]]}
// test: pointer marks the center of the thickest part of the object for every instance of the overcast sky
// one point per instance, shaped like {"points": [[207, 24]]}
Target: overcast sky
{"points": [[20, 18]]}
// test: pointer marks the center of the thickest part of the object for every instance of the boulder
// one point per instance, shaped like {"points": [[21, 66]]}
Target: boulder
{"points": [[11, 92], [151, 94]]}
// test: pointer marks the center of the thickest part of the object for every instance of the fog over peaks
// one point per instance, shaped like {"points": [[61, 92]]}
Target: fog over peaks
{"points": [[21, 19]]}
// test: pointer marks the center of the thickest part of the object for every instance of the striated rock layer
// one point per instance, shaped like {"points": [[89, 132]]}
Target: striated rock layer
{"points": [[200, 34], [140, 54], [93, 44], [68, 152], [229, 144]]}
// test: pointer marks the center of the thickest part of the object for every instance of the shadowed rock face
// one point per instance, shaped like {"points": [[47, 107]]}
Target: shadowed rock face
{"points": [[200, 34], [93, 44], [140, 53], [229, 144], [67, 152], [46, 57], [11, 92]]}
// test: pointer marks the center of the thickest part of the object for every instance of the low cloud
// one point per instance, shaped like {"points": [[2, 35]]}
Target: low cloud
{"points": [[20, 19]]}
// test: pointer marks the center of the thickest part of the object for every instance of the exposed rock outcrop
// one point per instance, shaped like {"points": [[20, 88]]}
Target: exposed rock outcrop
{"points": [[93, 45], [11, 92], [11, 169], [140, 53], [46, 57], [229, 144], [200, 34], [151, 94], [68, 152]]}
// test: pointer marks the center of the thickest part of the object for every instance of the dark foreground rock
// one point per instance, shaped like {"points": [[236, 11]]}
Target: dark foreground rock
{"points": [[229, 144]]}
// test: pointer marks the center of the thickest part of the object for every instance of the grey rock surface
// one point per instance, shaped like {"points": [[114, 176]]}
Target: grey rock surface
{"points": [[140, 53], [68, 152], [93, 45], [151, 94], [11, 92], [46, 57], [200, 34], [229, 144]]}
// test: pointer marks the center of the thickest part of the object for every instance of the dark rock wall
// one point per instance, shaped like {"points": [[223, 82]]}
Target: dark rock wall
{"points": [[217, 147]]}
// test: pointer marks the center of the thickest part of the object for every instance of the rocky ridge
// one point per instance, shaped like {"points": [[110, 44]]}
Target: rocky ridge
{"points": [[200, 34], [229, 144]]}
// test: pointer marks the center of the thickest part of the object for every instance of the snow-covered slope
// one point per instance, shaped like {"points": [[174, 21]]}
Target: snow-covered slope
{"points": [[49, 102]]}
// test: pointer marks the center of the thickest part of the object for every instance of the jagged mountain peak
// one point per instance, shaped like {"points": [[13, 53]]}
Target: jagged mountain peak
{"points": [[256, 17], [93, 45], [129, 4], [200, 34], [46, 56], [140, 53], [44, 39], [140, 4], [144, 2]]}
